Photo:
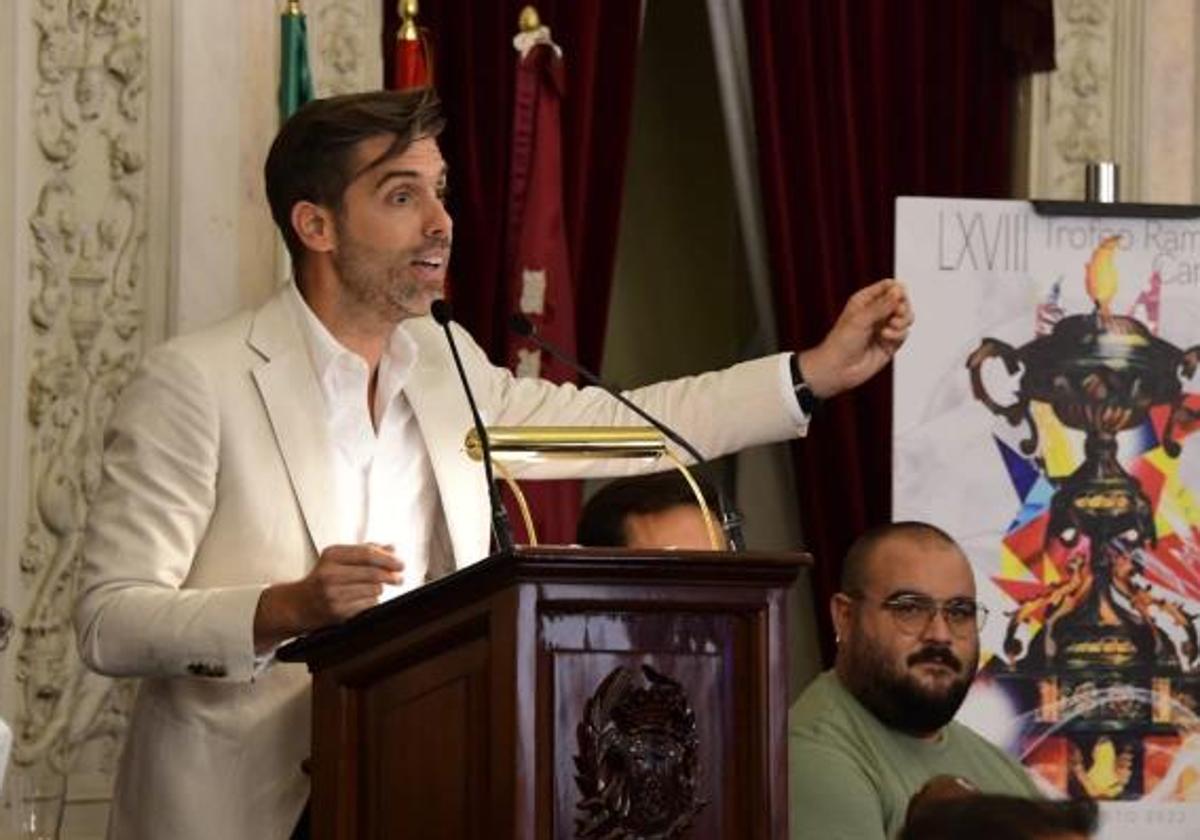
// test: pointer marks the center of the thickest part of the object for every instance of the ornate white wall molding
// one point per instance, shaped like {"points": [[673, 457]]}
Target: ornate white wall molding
{"points": [[1126, 89], [83, 166], [1090, 107], [12, 370], [344, 45], [85, 238]]}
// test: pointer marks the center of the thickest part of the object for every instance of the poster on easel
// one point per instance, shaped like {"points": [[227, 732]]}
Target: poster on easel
{"points": [[1045, 413]]}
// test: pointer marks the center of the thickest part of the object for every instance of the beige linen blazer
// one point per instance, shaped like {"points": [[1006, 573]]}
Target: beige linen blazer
{"points": [[215, 484]]}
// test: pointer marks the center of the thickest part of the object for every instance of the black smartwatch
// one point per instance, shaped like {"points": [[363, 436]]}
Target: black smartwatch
{"points": [[805, 398]]}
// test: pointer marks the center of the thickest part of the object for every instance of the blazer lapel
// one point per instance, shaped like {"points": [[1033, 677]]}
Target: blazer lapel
{"points": [[440, 406], [294, 403]]}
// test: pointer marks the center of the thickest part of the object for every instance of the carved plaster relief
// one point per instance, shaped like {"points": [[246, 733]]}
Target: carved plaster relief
{"points": [[88, 234], [344, 45], [1080, 119], [1090, 107]]}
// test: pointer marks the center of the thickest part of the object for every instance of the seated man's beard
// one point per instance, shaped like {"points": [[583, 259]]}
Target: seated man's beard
{"points": [[896, 698]]}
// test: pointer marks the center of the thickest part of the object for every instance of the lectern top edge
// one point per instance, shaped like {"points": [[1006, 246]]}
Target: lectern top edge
{"points": [[562, 564]]}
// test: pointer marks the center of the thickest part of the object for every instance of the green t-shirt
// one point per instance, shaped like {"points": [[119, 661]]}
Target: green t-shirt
{"points": [[851, 777]]}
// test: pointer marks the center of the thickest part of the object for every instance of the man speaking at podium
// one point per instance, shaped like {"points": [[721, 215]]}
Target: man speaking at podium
{"points": [[274, 473]]}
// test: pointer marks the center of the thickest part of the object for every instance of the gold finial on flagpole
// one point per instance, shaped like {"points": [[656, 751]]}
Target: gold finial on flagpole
{"points": [[408, 21], [532, 33], [293, 8], [529, 20]]}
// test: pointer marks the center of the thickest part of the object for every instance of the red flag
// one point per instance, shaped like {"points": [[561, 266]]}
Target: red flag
{"points": [[413, 66], [539, 281]]}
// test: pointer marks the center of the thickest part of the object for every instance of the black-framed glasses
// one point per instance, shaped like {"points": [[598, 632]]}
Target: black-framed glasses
{"points": [[913, 613]]}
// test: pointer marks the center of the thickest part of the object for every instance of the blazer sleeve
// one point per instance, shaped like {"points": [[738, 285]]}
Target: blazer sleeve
{"points": [[135, 614], [718, 412]]}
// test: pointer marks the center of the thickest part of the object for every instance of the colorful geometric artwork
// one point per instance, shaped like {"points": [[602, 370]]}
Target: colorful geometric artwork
{"points": [[1059, 451]]}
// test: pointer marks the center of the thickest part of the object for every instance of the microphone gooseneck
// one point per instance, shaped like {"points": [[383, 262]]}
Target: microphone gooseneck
{"points": [[440, 310], [731, 519]]}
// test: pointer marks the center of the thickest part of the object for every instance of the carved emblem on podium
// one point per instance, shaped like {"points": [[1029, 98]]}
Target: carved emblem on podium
{"points": [[637, 767]]}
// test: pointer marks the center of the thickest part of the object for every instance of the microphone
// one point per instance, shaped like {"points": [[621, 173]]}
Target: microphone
{"points": [[440, 310], [731, 520]]}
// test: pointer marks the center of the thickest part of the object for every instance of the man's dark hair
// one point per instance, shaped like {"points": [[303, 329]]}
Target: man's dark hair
{"points": [[995, 817], [602, 522], [854, 567], [311, 157]]}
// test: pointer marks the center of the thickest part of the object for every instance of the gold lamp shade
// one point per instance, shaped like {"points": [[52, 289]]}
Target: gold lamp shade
{"points": [[529, 444], [537, 443]]}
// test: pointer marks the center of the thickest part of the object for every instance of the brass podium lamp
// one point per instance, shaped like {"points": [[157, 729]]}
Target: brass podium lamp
{"points": [[529, 444]]}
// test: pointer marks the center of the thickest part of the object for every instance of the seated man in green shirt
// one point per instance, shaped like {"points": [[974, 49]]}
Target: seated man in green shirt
{"points": [[866, 736]]}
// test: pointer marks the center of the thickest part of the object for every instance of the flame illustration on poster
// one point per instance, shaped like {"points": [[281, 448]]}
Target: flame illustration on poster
{"points": [[1099, 559]]}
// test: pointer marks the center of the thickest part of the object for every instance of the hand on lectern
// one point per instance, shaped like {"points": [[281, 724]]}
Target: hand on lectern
{"points": [[346, 580]]}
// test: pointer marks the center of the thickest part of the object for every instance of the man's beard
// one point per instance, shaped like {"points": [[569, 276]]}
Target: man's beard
{"points": [[375, 279], [897, 698]]}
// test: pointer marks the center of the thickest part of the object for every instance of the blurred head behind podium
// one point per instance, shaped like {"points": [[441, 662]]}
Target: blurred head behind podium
{"points": [[650, 511], [947, 808]]}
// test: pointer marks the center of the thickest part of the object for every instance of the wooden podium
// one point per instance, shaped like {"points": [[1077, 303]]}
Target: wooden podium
{"points": [[559, 693]]}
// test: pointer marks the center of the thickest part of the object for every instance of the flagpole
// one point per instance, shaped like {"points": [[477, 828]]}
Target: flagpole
{"points": [[295, 89], [295, 75], [413, 66]]}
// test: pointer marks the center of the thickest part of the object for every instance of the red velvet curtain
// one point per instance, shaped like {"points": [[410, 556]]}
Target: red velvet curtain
{"points": [[858, 102], [474, 64]]}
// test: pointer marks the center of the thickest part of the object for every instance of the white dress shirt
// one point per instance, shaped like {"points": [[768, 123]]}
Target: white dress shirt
{"points": [[385, 491]]}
